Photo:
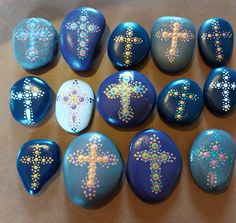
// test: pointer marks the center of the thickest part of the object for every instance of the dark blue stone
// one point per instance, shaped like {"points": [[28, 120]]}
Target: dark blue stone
{"points": [[80, 33], [180, 102], [220, 90], [126, 98], [30, 100], [36, 163], [215, 41], [128, 45], [153, 166]]}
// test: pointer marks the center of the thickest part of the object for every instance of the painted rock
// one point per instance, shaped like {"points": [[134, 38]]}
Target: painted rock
{"points": [[74, 105], [92, 169], [80, 33], [37, 161], [172, 43], [30, 100], [220, 90], [215, 41], [212, 160], [126, 98], [34, 42], [180, 102], [153, 165], [128, 45]]}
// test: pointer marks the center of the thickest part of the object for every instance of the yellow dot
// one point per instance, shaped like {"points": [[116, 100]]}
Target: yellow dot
{"points": [[181, 102], [35, 167], [172, 51], [176, 93], [219, 56], [190, 96], [127, 61], [35, 175], [34, 185], [185, 88], [128, 39], [180, 108], [165, 34], [185, 35], [215, 27], [28, 159], [36, 159], [155, 166], [128, 46], [209, 35], [218, 49], [36, 152], [183, 95], [217, 42], [43, 160], [216, 35], [127, 53], [179, 116]]}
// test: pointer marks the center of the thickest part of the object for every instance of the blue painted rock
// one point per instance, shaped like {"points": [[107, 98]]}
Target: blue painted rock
{"points": [[30, 100], [128, 45], [212, 160], [215, 41], [220, 90], [180, 102], [172, 43], [153, 166], [37, 161], [92, 169], [74, 105], [34, 42], [80, 33], [126, 98]]}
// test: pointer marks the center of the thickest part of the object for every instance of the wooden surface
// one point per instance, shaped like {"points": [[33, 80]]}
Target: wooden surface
{"points": [[187, 203]]}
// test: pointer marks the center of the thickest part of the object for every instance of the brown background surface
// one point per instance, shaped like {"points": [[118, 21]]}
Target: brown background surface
{"points": [[187, 203]]}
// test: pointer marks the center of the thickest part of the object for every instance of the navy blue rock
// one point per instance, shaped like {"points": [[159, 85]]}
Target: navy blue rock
{"points": [[34, 43], [220, 90], [212, 159], [80, 33], [36, 163], [180, 102], [172, 43], [30, 100], [92, 169], [153, 166], [126, 99], [128, 45], [215, 41]]}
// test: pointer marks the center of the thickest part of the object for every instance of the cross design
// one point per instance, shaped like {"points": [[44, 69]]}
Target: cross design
{"points": [[27, 96], [126, 89], [83, 28], [129, 39], [33, 32], [174, 33], [156, 157], [92, 156]]}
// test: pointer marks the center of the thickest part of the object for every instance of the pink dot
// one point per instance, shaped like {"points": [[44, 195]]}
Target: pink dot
{"points": [[214, 163], [81, 99], [215, 147], [74, 92], [222, 156], [206, 154], [106, 159]]}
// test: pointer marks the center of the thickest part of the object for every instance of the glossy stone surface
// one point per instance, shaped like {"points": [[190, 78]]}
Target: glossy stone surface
{"points": [[220, 90], [212, 160], [180, 102], [126, 99], [30, 100], [172, 43], [74, 105], [215, 41], [34, 43], [128, 45], [36, 163], [92, 169], [80, 33]]}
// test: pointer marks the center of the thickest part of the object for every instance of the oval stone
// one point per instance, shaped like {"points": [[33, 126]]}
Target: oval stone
{"points": [[92, 169], [30, 100], [180, 102], [36, 162], [126, 99], [172, 43], [215, 41], [212, 160], [80, 33], [220, 90], [128, 45], [74, 105], [34, 43]]}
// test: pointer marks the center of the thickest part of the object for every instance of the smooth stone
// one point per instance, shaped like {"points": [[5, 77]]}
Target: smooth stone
{"points": [[37, 161], [92, 169], [153, 166], [172, 43], [80, 33], [215, 41], [74, 105], [128, 45], [34, 43], [180, 102], [126, 99], [30, 100], [220, 90], [211, 160]]}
